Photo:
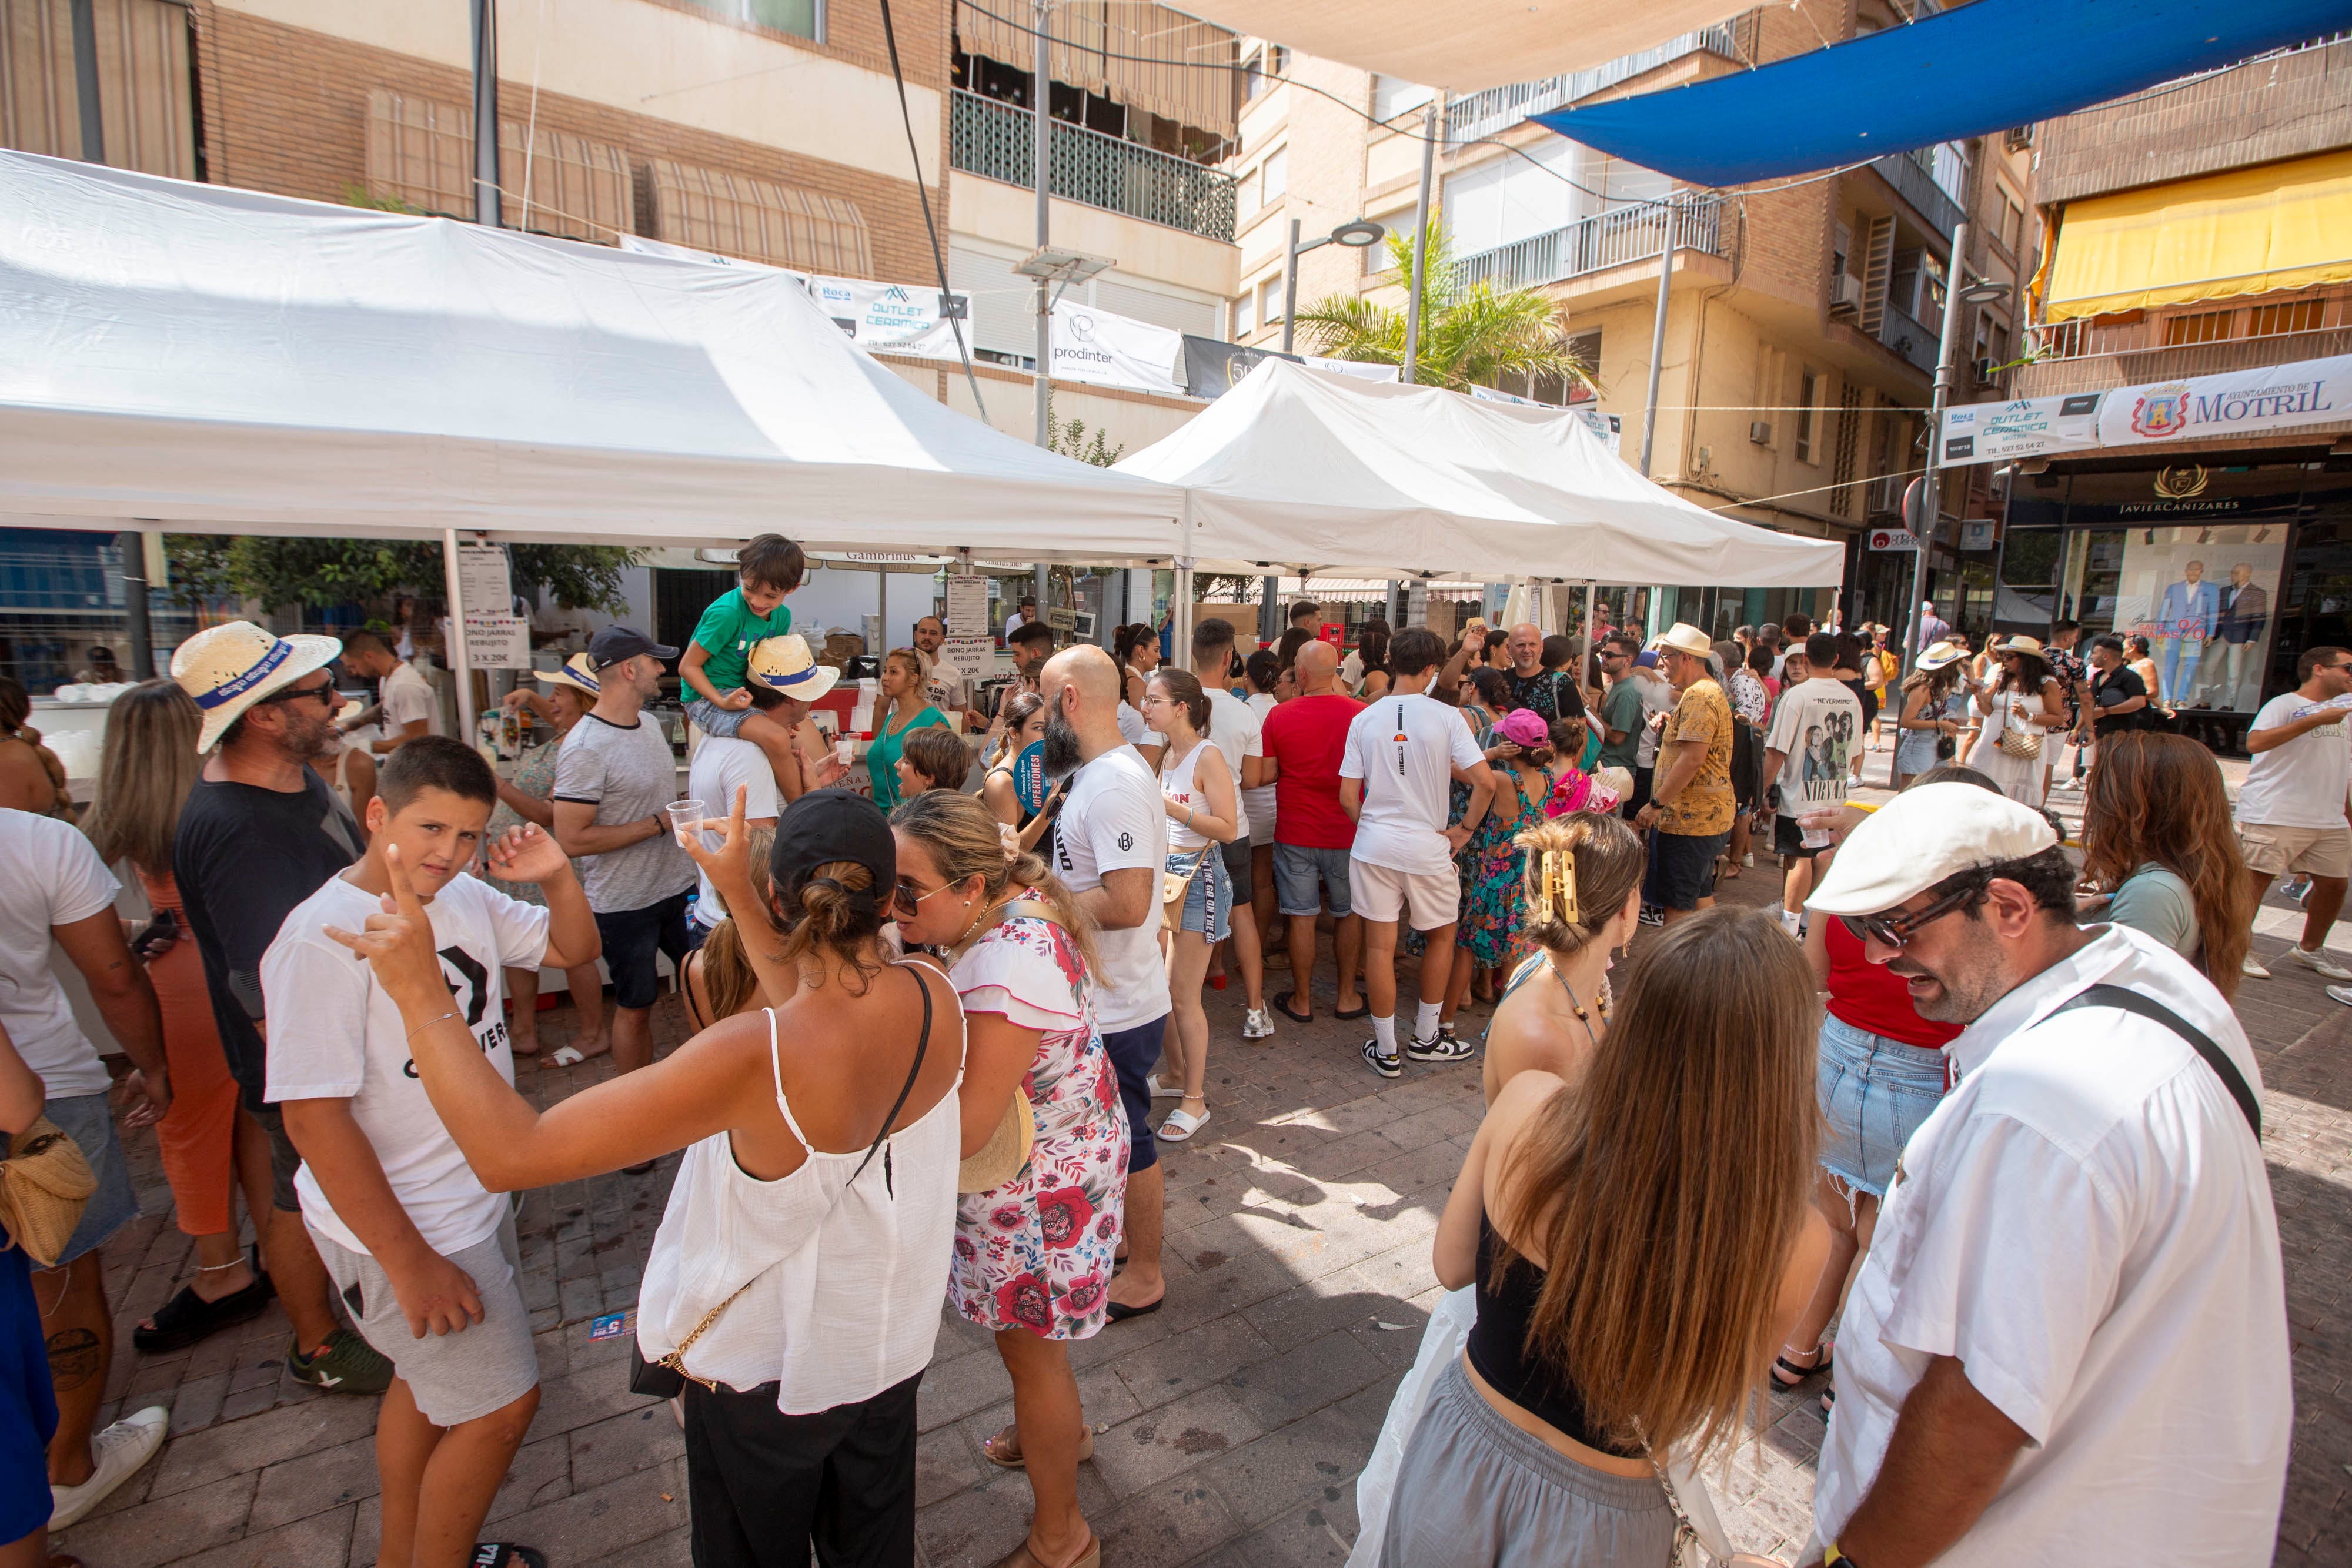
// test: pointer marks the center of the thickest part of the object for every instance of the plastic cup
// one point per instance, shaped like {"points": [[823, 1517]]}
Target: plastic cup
{"points": [[1816, 824], [841, 752], [685, 821]]}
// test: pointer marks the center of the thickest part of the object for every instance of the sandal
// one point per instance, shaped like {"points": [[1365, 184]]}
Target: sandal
{"points": [[1362, 1009], [1282, 1005], [1004, 1448], [1181, 1125], [1787, 1374], [188, 1317], [564, 1056], [505, 1554], [1162, 1090], [1023, 1558]]}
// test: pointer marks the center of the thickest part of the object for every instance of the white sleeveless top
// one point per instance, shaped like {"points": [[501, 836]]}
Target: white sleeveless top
{"points": [[1179, 782], [847, 1277]]}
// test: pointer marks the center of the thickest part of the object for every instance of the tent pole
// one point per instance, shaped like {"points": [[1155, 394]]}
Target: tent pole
{"points": [[1419, 241], [1590, 594], [461, 669], [882, 609], [1180, 641], [1658, 334], [133, 549], [486, 119], [85, 63], [1042, 159]]}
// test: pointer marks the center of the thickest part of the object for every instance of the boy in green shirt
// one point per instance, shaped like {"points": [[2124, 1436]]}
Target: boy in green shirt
{"points": [[767, 568]]}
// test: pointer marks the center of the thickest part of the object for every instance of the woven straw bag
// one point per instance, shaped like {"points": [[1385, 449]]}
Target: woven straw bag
{"points": [[44, 1184]]}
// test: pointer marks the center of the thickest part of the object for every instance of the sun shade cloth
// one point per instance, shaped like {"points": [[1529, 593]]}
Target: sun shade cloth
{"points": [[217, 361], [1962, 73], [2279, 225], [1301, 471]]}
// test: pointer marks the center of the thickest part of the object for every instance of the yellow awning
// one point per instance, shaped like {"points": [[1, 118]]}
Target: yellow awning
{"points": [[2281, 225]]}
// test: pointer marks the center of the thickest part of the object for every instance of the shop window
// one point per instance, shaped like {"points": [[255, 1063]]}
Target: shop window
{"points": [[2293, 316], [2207, 326]]}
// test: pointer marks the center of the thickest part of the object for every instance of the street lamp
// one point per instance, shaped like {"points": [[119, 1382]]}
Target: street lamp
{"points": [[1983, 291], [1355, 234], [1055, 271]]}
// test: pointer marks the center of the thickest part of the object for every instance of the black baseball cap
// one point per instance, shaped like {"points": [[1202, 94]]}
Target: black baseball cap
{"points": [[614, 644], [828, 825]]}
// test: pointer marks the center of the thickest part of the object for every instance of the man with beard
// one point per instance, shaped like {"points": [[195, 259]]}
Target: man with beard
{"points": [[1111, 849], [2069, 1341]]}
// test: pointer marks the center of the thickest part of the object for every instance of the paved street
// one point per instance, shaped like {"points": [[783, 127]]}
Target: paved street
{"points": [[1232, 1423]]}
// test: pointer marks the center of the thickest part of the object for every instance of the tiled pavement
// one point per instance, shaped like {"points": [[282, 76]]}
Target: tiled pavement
{"points": [[1232, 1422]]}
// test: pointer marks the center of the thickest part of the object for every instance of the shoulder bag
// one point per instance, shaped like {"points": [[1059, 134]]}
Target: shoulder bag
{"points": [[2018, 738]]}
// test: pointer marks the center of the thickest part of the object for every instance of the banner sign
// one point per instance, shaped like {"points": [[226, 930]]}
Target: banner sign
{"points": [[1361, 369], [885, 318], [2157, 413], [1211, 367], [1098, 347], [1893, 538], [1608, 427]]}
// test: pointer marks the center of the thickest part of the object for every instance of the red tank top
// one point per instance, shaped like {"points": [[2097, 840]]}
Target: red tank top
{"points": [[1869, 997]]}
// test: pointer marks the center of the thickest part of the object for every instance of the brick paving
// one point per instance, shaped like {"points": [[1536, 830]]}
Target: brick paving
{"points": [[1231, 1424]]}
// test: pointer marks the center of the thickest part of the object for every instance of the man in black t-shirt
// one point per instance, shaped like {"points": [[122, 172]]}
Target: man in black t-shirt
{"points": [[2118, 696], [261, 832]]}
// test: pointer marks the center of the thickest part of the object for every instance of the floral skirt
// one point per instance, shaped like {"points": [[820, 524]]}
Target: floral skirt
{"points": [[1489, 925], [1037, 1252]]}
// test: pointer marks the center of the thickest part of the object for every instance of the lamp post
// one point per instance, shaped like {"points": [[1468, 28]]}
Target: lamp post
{"points": [[1355, 234], [1983, 291], [1420, 243]]}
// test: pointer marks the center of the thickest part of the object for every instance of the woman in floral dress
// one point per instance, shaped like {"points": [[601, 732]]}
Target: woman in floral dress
{"points": [[1488, 929], [1033, 1255]]}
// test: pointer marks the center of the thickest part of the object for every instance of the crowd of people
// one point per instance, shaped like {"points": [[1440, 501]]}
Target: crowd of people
{"points": [[2033, 1258]]}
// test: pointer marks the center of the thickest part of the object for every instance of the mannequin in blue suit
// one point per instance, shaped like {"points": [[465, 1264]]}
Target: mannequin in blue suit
{"points": [[2189, 610]]}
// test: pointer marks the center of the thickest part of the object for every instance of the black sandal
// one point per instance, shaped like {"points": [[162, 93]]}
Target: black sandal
{"points": [[1282, 1005], [1789, 1374], [505, 1554], [1365, 1010], [187, 1317]]}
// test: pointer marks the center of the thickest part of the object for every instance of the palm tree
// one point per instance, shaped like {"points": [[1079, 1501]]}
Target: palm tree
{"points": [[1469, 335]]}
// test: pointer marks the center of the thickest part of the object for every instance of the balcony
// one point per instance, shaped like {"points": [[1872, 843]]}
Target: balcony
{"points": [[1910, 339], [1500, 108], [1922, 178], [2086, 356], [994, 139], [1600, 242]]}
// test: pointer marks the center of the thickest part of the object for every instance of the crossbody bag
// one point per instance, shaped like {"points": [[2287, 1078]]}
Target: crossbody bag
{"points": [[2156, 1012]]}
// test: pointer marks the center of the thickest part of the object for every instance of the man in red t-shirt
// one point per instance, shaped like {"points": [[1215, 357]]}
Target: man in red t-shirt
{"points": [[1304, 738]]}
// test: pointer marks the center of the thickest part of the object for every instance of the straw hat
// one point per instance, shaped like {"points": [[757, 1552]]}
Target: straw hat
{"points": [[1001, 1159], [1936, 656], [784, 665], [2021, 644], [229, 668], [576, 671], [1684, 638]]}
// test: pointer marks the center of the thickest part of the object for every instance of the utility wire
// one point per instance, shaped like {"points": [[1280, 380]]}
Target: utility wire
{"points": [[938, 259]]}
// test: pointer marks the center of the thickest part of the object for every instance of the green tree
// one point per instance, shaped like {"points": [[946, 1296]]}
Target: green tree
{"points": [[1470, 336], [1072, 440], [318, 571]]}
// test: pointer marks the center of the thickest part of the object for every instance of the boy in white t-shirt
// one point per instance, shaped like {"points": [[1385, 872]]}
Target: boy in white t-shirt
{"points": [[1402, 752], [424, 1254]]}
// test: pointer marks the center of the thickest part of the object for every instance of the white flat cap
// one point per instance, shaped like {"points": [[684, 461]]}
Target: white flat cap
{"points": [[1924, 834]]}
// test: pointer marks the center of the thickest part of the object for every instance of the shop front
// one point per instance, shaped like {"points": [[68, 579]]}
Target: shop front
{"points": [[2228, 569]]}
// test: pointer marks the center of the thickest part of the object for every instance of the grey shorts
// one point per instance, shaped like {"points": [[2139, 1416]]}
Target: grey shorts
{"points": [[1475, 1489], [1297, 869], [453, 1378], [88, 1121]]}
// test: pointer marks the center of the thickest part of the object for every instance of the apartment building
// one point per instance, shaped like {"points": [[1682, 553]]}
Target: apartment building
{"points": [[2230, 553], [1802, 321]]}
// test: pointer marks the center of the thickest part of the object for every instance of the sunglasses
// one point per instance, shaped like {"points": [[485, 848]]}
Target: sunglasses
{"points": [[910, 898], [1897, 930], [325, 694]]}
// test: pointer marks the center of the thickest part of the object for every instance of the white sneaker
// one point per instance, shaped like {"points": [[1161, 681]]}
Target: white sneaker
{"points": [[1792, 921], [1257, 1023], [121, 1449], [2342, 993], [2253, 967], [2321, 962]]}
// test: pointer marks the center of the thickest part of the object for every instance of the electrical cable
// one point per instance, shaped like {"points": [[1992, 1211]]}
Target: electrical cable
{"points": [[938, 259]]}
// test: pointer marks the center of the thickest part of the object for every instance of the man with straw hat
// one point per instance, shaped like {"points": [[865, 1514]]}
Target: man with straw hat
{"points": [[1691, 803], [260, 831]]}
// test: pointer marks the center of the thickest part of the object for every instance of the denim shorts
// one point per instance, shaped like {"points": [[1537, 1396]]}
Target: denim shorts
{"points": [[1297, 869], [1208, 898], [1875, 1093], [712, 719], [88, 1121]]}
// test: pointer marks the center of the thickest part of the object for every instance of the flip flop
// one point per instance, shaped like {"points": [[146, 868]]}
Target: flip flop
{"points": [[1359, 1012], [1282, 1005], [1023, 1558], [1004, 1448], [1119, 1311], [505, 1554], [564, 1056]]}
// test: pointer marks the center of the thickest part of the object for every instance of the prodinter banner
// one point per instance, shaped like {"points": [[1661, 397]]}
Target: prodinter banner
{"points": [[1091, 345], [2158, 414]]}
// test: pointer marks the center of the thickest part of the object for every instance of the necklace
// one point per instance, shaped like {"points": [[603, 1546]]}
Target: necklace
{"points": [[1576, 1005]]}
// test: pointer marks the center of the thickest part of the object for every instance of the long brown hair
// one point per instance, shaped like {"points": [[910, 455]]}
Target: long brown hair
{"points": [[964, 841], [2157, 799], [1609, 859], [145, 770], [1668, 1189]]}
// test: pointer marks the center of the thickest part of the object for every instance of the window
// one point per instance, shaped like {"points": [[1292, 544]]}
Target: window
{"points": [[1245, 319], [1274, 174], [1264, 66], [1807, 391], [1269, 301], [2294, 315], [1245, 194], [1394, 96], [2013, 222], [1585, 348], [803, 18], [2209, 327]]}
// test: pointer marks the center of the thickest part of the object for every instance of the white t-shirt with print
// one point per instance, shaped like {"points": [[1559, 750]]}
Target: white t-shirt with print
{"points": [[719, 765], [2301, 784], [49, 876], [408, 697], [335, 1035], [1405, 749], [1112, 820], [1238, 728], [1815, 725]]}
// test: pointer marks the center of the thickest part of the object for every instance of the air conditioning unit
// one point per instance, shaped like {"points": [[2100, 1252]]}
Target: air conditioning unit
{"points": [[1760, 432], [1845, 294], [2018, 138]]}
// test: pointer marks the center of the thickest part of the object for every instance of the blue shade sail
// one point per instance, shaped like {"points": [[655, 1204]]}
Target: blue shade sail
{"points": [[1962, 73]]}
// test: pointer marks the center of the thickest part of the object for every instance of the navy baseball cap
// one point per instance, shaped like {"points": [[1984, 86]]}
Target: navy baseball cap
{"points": [[614, 644]]}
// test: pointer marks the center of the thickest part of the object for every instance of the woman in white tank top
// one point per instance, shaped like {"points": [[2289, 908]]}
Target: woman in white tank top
{"points": [[797, 1275], [1203, 814]]}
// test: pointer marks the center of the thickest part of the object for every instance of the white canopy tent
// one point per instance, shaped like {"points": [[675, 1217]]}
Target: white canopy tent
{"points": [[1303, 471], [214, 360]]}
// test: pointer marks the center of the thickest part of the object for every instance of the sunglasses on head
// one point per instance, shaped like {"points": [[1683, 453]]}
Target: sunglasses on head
{"points": [[1897, 930]]}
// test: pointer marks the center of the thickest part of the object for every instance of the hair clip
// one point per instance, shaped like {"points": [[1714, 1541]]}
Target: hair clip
{"points": [[1559, 884]]}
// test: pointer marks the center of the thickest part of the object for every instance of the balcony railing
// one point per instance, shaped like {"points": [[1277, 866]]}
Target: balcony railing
{"points": [[2083, 356], [1909, 172], [994, 139], [1602, 241], [1499, 108], [1908, 337]]}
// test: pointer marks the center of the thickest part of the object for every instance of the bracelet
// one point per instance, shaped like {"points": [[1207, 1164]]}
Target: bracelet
{"points": [[428, 1023]]}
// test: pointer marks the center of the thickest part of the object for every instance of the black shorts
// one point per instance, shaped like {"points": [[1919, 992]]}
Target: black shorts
{"points": [[1789, 838], [1238, 870], [1744, 760], [1643, 778], [1682, 868], [632, 937], [285, 1159]]}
